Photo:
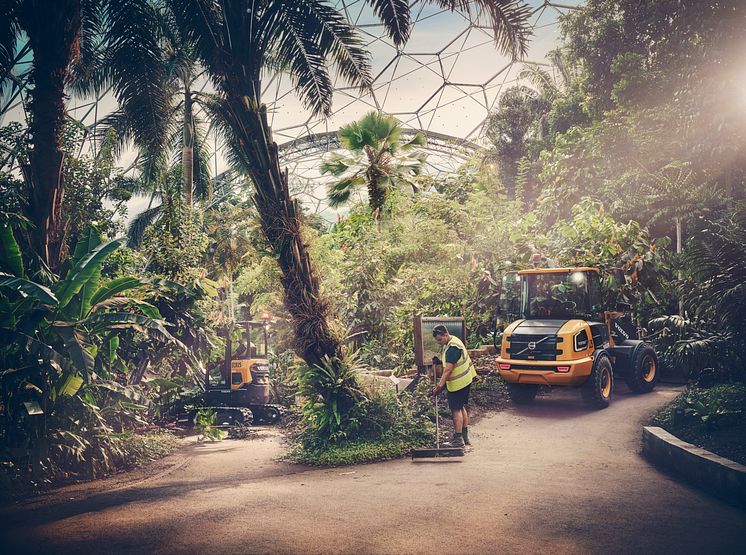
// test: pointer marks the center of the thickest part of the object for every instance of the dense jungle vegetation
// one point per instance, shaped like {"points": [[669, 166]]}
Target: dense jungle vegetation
{"points": [[626, 152]]}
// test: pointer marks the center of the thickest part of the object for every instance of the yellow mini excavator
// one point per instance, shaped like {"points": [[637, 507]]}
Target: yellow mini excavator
{"points": [[238, 388]]}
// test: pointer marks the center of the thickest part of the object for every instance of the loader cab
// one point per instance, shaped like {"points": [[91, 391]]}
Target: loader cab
{"points": [[557, 293], [561, 293]]}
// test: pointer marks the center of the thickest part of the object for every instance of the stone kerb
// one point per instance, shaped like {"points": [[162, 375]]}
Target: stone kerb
{"points": [[716, 475]]}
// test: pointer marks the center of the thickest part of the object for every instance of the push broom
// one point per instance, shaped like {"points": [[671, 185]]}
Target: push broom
{"points": [[428, 454]]}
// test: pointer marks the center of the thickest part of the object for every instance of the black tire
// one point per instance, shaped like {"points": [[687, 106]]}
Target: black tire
{"points": [[644, 370], [522, 394], [597, 389]]}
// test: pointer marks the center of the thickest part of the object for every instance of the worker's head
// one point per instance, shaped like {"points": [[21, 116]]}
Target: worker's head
{"points": [[441, 335]]}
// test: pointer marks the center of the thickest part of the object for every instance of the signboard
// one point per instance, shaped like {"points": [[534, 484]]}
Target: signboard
{"points": [[425, 346]]}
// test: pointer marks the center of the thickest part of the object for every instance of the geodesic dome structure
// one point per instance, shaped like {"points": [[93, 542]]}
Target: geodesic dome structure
{"points": [[444, 83]]}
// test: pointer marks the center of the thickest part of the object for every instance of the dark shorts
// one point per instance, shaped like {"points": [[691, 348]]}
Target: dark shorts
{"points": [[458, 399]]}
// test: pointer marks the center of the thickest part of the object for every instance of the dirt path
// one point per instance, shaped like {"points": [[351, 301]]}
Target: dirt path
{"points": [[552, 477]]}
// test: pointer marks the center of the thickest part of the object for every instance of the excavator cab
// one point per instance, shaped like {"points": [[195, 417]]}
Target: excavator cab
{"points": [[246, 353]]}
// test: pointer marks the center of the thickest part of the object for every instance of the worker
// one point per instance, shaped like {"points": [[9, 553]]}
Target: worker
{"points": [[458, 373]]}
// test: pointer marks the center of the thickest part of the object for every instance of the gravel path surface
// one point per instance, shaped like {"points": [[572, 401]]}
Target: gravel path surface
{"points": [[552, 477]]}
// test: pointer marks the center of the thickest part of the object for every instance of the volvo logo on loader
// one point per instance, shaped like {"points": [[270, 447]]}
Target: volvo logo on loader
{"points": [[532, 345]]}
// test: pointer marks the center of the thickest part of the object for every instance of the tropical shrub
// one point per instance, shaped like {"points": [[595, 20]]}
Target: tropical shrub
{"points": [[60, 346], [712, 332]]}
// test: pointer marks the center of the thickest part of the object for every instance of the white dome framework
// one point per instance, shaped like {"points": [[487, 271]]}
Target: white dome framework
{"points": [[444, 83]]}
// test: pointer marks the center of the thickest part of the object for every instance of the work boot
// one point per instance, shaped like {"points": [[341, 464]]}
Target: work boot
{"points": [[465, 435], [456, 441]]}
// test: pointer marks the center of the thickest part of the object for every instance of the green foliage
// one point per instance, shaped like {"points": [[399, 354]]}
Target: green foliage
{"points": [[204, 421], [176, 243], [333, 401], [352, 452], [62, 347], [711, 334], [390, 427], [713, 418], [283, 377]]}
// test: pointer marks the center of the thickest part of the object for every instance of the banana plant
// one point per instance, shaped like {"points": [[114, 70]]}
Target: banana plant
{"points": [[62, 335]]}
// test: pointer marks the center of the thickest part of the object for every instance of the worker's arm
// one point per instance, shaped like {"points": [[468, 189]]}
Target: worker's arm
{"points": [[447, 369]]}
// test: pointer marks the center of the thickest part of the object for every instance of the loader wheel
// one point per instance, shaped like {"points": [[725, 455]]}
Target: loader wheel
{"points": [[522, 394], [597, 390], [643, 374]]}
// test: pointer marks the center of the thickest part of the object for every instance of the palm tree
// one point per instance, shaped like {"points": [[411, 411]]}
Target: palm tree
{"points": [[236, 40], [377, 159], [66, 38]]}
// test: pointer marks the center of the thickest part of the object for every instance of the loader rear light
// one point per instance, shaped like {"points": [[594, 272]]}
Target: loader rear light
{"points": [[504, 366], [563, 369]]}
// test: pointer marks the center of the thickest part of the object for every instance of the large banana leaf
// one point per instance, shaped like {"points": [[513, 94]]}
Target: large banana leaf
{"points": [[36, 348], [28, 288], [75, 343], [7, 316], [122, 320], [82, 272], [71, 385], [10, 254], [119, 303], [88, 290], [114, 287], [89, 240]]}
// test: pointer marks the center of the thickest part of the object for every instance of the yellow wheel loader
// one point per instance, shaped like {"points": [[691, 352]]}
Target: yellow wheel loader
{"points": [[561, 335]]}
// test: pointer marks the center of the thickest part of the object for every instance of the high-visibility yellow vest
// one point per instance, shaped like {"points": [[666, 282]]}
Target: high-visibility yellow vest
{"points": [[463, 373]]}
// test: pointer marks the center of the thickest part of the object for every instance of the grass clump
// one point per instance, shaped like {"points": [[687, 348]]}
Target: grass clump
{"points": [[139, 449], [711, 418], [353, 452]]}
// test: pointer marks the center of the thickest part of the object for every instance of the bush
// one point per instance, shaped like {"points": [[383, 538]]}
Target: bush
{"points": [[102, 454], [283, 378], [713, 418], [388, 426]]}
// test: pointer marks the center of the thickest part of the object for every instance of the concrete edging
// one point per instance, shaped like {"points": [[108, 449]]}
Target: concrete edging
{"points": [[715, 474]]}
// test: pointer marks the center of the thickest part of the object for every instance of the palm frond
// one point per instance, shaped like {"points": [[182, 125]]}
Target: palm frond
{"points": [[541, 79], [10, 32], [338, 41], [138, 225], [340, 191], [509, 20], [221, 115], [136, 70], [337, 164], [298, 49], [396, 18], [88, 73]]}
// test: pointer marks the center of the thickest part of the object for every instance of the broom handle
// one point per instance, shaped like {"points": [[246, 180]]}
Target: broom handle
{"points": [[437, 419]]}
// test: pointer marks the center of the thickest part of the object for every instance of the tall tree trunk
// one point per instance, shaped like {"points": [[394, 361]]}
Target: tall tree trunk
{"points": [[53, 29], [187, 149], [282, 228]]}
